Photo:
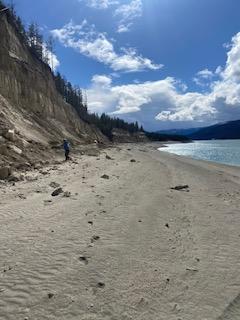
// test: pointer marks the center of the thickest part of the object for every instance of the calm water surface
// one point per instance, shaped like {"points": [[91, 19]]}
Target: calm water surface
{"points": [[222, 151]]}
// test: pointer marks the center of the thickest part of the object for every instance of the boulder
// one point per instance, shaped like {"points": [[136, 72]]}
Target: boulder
{"points": [[16, 149], [10, 135], [5, 172]]}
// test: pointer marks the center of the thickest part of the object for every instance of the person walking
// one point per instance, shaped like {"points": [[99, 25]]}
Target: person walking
{"points": [[66, 146]]}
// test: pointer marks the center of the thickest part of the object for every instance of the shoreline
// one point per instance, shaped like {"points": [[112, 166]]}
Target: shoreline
{"points": [[164, 147], [124, 246]]}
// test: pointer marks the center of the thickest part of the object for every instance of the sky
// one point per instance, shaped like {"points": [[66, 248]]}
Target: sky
{"points": [[167, 64]]}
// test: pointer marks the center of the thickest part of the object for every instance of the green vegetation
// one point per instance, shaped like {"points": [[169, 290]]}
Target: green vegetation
{"points": [[154, 136]]}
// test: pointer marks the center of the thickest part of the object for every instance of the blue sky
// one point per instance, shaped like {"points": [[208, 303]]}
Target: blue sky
{"points": [[164, 63]]}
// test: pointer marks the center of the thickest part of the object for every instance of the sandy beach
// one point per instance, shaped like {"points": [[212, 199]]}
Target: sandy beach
{"points": [[120, 242]]}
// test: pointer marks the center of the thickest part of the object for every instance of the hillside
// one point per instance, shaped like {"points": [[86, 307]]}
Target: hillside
{"points": [[29, 100], [34, 116], [228, 130]]}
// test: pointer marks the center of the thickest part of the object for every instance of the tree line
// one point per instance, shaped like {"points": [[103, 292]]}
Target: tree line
{"points": [[74, 96], [44, 50]]}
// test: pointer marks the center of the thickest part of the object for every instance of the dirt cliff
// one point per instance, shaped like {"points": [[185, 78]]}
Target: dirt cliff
{"points": [[30, 104]]}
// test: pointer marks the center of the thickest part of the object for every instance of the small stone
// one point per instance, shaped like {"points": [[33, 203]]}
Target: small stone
{"points": [[50, 295], [105, 176], [167, 225], [132, 160], [180, 187], [54, 185], [67, 194], [57, 192], [108, 157], [90, 222], [101, 284]]}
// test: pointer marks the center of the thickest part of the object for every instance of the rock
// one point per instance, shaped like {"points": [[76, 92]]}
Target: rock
{"points": [[24, 166], [108, 157], [101, 284], [180, 187], [90, 222], [167, 225], [50, 295], [67, 194], [10, 135], [37, 166], [44, 173], [14, 178], [54, 185], [57, 192], [132, 160], [31, 179], [105, 176], [5, 172], [2, 139], [16, 149], [24, 143]]}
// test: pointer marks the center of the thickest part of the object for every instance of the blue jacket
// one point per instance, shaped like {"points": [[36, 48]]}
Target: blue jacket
{"points": [[66, 145]]}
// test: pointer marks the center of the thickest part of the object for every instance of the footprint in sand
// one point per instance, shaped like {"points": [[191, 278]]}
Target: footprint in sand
{"points": [[95, 238]]}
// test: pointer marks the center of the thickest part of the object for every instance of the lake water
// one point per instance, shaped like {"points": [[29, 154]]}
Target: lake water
{"points": [[222, 151]]}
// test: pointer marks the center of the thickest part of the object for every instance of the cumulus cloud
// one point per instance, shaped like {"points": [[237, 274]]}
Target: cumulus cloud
{"points": [[167, 103], [127, 13], [91, 43]]}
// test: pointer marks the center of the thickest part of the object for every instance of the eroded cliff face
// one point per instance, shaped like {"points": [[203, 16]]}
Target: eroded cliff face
{"points": [[29, 100]]}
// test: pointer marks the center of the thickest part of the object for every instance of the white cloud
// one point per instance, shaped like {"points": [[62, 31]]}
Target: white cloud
{"points": [[127, 13], [167, 103], [101, 80], [204, 77], [85, 39], [99, 4], [53, 61]]}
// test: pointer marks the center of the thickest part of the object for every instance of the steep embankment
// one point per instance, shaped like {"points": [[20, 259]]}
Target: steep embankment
{"points": [[29, 101]]}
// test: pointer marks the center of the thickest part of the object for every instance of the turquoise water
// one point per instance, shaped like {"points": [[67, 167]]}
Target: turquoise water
{"points": [[222, 151]]}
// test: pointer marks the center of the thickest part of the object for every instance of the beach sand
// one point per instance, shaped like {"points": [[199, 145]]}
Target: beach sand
{"points": [[122, 246]]}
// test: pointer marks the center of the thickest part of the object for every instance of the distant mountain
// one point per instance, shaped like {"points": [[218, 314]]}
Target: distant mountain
{"points": [[156, 136], [181, 132], [228, 130]]}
